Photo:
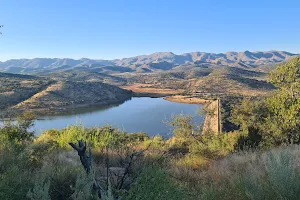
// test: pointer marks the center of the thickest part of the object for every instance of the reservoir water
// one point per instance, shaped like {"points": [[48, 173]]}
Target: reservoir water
{"points": [[140, 114]]}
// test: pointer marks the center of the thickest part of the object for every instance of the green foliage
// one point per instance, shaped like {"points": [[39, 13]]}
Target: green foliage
{"points": [[17, 134], [197, 148], [286, 74], [83, 187], [15, 183], [16, 173], [109, 193], [213, 146], [155, 184], [97, 137], [40, 191], [16, 166], [183, 126], [280, 180], [36, 152], [274, 120]]}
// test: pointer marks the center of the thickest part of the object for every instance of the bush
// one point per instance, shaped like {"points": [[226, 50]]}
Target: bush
{"points": [[155, 183], [16, 135]]}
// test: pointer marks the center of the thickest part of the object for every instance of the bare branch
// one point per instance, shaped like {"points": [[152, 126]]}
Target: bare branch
{"points": [[1, 26]]}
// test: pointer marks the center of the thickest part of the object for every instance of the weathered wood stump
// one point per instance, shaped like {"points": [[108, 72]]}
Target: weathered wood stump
{"points": [[86, 161]]}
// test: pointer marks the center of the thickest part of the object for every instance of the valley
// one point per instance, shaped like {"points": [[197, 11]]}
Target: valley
{"points": [[149, 100], [52, 86]]}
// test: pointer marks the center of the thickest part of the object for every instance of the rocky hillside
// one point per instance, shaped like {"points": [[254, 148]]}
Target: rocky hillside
{"points": [[86, 76], [232, 80], [221, 80], [145, 63], [58, 92], [65, 96], [15, 88]]}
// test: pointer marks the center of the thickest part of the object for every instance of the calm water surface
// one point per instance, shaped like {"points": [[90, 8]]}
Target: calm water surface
{"points": [[140, 114]]}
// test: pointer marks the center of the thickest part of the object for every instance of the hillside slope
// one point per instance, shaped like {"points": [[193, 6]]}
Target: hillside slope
{"points": [[65, 96], [216, 80], [231, 80], [86, 76], [15, 88]]}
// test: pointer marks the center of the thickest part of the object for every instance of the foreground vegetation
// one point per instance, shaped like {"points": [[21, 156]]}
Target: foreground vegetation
{"points": [[182, 167], [257, 159]]}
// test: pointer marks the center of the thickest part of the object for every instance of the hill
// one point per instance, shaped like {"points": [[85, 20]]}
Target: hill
{"points": [[66, 95], [15, 88], [57, 92], [232, 80], [208, 81], [86, 76], [159, 61]]}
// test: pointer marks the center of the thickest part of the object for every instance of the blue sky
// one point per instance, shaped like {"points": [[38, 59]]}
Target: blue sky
{"points": [[123, 28]]}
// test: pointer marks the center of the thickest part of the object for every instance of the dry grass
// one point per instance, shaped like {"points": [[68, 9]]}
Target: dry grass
{"points": [[186, 99], [272, 174], [147, 89], [39, 95]]}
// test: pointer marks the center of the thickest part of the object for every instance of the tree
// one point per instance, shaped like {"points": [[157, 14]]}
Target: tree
{"points": [[274, 120], [284, 104], [17, 133], [287, 74]]}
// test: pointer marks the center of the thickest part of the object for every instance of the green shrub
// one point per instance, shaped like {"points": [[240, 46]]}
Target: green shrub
{"points": [[98, 137], [16, 175], [40, 191], [214, 146], [14, 135], [154, 183], [281, 181]]}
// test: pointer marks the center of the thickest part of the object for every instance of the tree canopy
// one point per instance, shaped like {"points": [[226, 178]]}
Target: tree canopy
{"points": [[276, 119]]}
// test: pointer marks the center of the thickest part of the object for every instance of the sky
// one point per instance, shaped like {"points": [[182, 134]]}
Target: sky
{"points": [[109, 29]]}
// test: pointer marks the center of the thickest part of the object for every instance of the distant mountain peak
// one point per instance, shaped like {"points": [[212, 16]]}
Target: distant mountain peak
{"points": [[230, 58]]}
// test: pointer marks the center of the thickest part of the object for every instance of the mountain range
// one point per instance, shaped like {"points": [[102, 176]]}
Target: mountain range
{"points": [[159, 61]]}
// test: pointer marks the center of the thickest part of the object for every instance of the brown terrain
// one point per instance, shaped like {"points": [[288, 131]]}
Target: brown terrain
{"points": [[187, 99], [60, 85], [141, 89], [64, 96]]}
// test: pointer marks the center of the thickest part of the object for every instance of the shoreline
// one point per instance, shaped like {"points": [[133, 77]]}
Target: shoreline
{"points": [[43, 113]]}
